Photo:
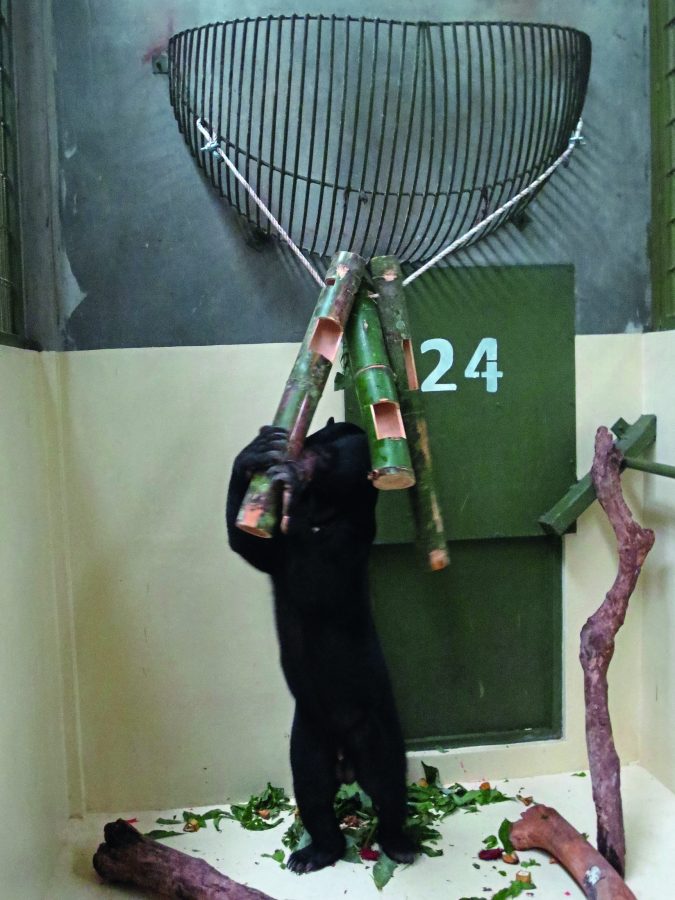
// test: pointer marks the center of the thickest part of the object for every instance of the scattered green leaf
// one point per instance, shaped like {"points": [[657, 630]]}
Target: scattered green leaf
{"points": [[262, 811], [529, 863], [383, 870], [505, 836], [429, 802], [278, 856], [579, 774], [490, 841], [515, 889], [158, 834], [431, 775]]}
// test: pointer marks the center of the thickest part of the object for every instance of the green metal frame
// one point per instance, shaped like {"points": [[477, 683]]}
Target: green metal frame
{"points": [[632, 441], [662, 26]]}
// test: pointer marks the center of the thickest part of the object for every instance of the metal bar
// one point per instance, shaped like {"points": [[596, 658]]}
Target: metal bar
{"points": [[312, 131], [355, 131], [632, 439], [646, 465], [394, 138], [479, 127], [329, 118]]}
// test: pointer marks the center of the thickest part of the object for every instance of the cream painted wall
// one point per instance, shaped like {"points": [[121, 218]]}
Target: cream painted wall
{"points": [[182, 699], [658, 673], [173, 692], [32, 765], [181, 696]]}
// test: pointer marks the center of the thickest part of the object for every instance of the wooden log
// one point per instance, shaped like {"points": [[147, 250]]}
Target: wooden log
{"points": [[127, 857], [543, 828], [376, 392], [393, 312], [259, 511], [597, 647]]}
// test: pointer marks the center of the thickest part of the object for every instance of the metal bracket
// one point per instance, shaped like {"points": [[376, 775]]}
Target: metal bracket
{"points": [[160, 62]]}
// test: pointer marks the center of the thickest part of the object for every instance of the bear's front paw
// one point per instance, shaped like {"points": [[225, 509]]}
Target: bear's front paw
{"points": [[268, 449]]}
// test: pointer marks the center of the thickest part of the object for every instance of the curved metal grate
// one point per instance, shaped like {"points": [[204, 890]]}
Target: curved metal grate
{"points": [[381, 137]]}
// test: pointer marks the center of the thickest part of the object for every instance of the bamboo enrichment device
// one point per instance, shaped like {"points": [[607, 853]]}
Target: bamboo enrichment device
{"points": [[259, 513], [322, 149], [375, 387], [391, 304]]}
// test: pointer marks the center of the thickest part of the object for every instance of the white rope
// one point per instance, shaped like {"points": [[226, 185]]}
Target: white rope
{"points": [[456, 245], [213, 146]]}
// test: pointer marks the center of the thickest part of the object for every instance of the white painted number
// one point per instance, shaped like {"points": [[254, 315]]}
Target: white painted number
{"points": [[486, 349], [446, 355]]}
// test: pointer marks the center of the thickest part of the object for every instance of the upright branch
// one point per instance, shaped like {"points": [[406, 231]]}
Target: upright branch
{"points": [[393, 311], [128, 857], [597, 648]]}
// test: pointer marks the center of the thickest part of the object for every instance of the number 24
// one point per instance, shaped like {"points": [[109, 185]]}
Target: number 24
{"points": [[486, 349]]}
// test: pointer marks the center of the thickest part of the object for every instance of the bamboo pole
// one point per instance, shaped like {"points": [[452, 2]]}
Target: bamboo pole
{"points": [[375, 387], [391, 304], [258, 514]]}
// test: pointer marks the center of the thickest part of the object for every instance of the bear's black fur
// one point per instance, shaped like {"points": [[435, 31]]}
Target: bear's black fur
{"points": [[345, 716]]}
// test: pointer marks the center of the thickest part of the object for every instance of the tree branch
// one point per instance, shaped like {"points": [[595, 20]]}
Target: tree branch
{"points": [[128, 857], [597, 648]]}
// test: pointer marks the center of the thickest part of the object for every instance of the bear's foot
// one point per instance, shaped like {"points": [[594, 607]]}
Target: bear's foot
{"points": [[312, 858], [399, 847]]}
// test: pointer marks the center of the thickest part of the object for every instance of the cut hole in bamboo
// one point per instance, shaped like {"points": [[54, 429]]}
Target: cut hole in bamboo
{"points": [[387, 420], [326, 338], [410, 369]]}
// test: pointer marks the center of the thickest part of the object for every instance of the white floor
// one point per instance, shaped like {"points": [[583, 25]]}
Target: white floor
{"points": [[650, 834]]}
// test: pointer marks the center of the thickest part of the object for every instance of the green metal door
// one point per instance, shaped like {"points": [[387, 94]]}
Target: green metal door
{"points": [[475, 649]]}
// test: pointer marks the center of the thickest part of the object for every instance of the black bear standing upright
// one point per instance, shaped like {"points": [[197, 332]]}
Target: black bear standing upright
{"points": [[345, 716]]}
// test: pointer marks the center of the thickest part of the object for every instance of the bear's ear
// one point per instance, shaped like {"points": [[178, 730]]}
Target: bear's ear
{"points": [[331, 421]]}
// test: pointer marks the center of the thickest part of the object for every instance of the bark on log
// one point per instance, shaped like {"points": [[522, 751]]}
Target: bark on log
{"points": [[258, 514], [396, 328], [543, 828], [127, 857], [597, 648], [376, 392]]}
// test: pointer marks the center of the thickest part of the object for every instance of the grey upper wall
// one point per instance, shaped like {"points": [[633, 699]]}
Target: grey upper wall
{"points": [[125, 243]]}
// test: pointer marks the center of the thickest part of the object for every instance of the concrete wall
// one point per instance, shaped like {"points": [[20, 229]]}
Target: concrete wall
{"points": [[126, 245], [658, 673], [33, 790]]}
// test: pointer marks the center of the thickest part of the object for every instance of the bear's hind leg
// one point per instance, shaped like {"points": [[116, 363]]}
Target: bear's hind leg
{"points": [[379, 760], [313, 761]]}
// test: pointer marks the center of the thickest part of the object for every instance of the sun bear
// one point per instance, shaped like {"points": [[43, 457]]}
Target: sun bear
{"points": [[345, 724]]}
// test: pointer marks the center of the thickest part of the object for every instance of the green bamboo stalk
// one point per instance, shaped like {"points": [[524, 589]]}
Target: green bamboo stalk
{"points": [[259, 511], [393, 312], [375, 388]]}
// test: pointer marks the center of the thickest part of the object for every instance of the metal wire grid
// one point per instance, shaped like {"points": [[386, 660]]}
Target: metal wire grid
{"points": [[382, 137], [9, 250]]}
